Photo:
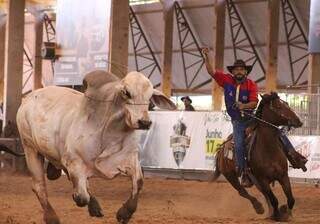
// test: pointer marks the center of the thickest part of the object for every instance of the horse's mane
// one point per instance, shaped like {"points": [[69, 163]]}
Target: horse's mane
{"points": [[266, 98]]}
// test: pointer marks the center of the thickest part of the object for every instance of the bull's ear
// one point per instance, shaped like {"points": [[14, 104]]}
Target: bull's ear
{"points": [[161, 101]]}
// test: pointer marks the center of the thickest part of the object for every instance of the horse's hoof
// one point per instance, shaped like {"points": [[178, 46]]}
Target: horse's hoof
{"points": [[53, 219], [94, 208], [285, 213], [259, 208]]}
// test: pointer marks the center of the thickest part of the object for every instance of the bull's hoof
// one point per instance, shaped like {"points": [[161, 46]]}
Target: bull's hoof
{"points": [[125, 212], [123, 215], [94, 208], [52, 172], [80, 201]]}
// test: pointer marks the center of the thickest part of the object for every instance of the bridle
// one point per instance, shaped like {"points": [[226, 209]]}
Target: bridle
{"points": [[269, 123]]}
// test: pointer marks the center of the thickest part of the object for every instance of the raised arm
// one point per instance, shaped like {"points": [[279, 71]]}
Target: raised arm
{"points": [[219, 76], [205, 52]]}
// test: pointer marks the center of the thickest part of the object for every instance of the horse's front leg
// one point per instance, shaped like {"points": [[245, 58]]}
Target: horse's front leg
{"points": [[233, 180], [265, 189], [286, 187]]}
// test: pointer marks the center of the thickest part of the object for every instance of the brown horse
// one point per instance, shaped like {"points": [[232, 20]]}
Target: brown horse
{"points": [[268, 162]]}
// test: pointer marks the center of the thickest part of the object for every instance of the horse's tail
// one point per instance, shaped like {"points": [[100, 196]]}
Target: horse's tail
{"points": [[216, 170]]}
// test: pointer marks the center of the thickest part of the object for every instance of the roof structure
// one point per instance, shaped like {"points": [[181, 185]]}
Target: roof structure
{"points": [[252, 15]]}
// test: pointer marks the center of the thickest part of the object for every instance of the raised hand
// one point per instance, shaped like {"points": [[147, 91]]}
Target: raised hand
{"points": [[205, 51]]}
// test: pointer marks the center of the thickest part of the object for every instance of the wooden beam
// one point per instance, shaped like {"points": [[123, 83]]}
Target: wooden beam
{"points": [[167, 48], [119, 37], [272, 44], [2, 54], [218, 58], [37, 75], [13, 64], [314, 76]]}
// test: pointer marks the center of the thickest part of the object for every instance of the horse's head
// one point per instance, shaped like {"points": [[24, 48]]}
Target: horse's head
{"points": [[277, 111]]}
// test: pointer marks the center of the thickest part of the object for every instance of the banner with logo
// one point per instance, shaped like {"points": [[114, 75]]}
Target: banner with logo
{"points": [[188, 140], [82, 39], [314, 30], [183, 140]]}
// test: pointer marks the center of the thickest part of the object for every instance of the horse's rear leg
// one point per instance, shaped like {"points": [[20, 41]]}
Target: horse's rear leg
{"points": [[35, 164], [286, 186], [233, 180]]}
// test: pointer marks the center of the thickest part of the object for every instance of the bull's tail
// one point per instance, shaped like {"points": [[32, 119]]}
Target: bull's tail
{"points": [[6, 149], [216, 171]]}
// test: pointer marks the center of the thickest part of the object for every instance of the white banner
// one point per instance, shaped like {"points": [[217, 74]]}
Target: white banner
{"points": [[309, 147], [188, 140], [183, 140]]}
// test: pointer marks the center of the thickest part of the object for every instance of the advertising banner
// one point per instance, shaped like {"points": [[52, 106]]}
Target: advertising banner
{"points": [[183, 140], [82, 39], [189, 140]]}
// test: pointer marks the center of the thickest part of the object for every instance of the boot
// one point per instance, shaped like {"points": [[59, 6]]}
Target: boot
{"points": [[245, 180], [297, 160]]}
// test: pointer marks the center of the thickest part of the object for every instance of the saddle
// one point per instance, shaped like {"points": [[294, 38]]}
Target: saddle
{"points": [[296, 160], [249, 144]]}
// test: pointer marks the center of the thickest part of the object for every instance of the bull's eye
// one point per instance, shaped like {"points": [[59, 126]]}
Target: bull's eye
{"points": [[126, 94]]}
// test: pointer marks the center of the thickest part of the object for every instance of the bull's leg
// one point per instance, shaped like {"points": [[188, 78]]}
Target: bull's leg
{"points": [[126, 162], [77, 171], [78, 175], [129, 207], [94, 208], [35, 164]]}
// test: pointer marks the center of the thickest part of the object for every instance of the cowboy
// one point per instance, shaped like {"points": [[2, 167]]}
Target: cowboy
{"points": [[240, 93], [187, 103]]}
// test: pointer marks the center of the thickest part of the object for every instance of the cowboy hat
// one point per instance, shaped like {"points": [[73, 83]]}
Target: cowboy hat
{"points": [[186, 98], [240, 63]]}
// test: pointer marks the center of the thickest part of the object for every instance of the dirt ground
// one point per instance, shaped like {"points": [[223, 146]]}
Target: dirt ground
{"points": [[162, 202]]}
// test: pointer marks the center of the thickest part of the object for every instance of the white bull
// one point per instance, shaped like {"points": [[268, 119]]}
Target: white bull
{"points": [[90, 134]]}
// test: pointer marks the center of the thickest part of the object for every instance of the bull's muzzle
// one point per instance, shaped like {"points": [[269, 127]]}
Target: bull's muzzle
{"points": [[143, 124]]}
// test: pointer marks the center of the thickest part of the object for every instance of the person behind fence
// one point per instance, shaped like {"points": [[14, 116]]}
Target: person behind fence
{"points": [[240, 93], [187, 103]]}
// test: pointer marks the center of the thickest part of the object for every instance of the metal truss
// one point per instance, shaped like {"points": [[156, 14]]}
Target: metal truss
{"points": [[145, 59], [296, 41], [241, 40], [27, 65], [49, 25], [188, 43], [50, 28]]}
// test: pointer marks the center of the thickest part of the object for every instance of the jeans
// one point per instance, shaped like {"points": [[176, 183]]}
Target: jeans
{"points": [[287, 146], [239, 128]]}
